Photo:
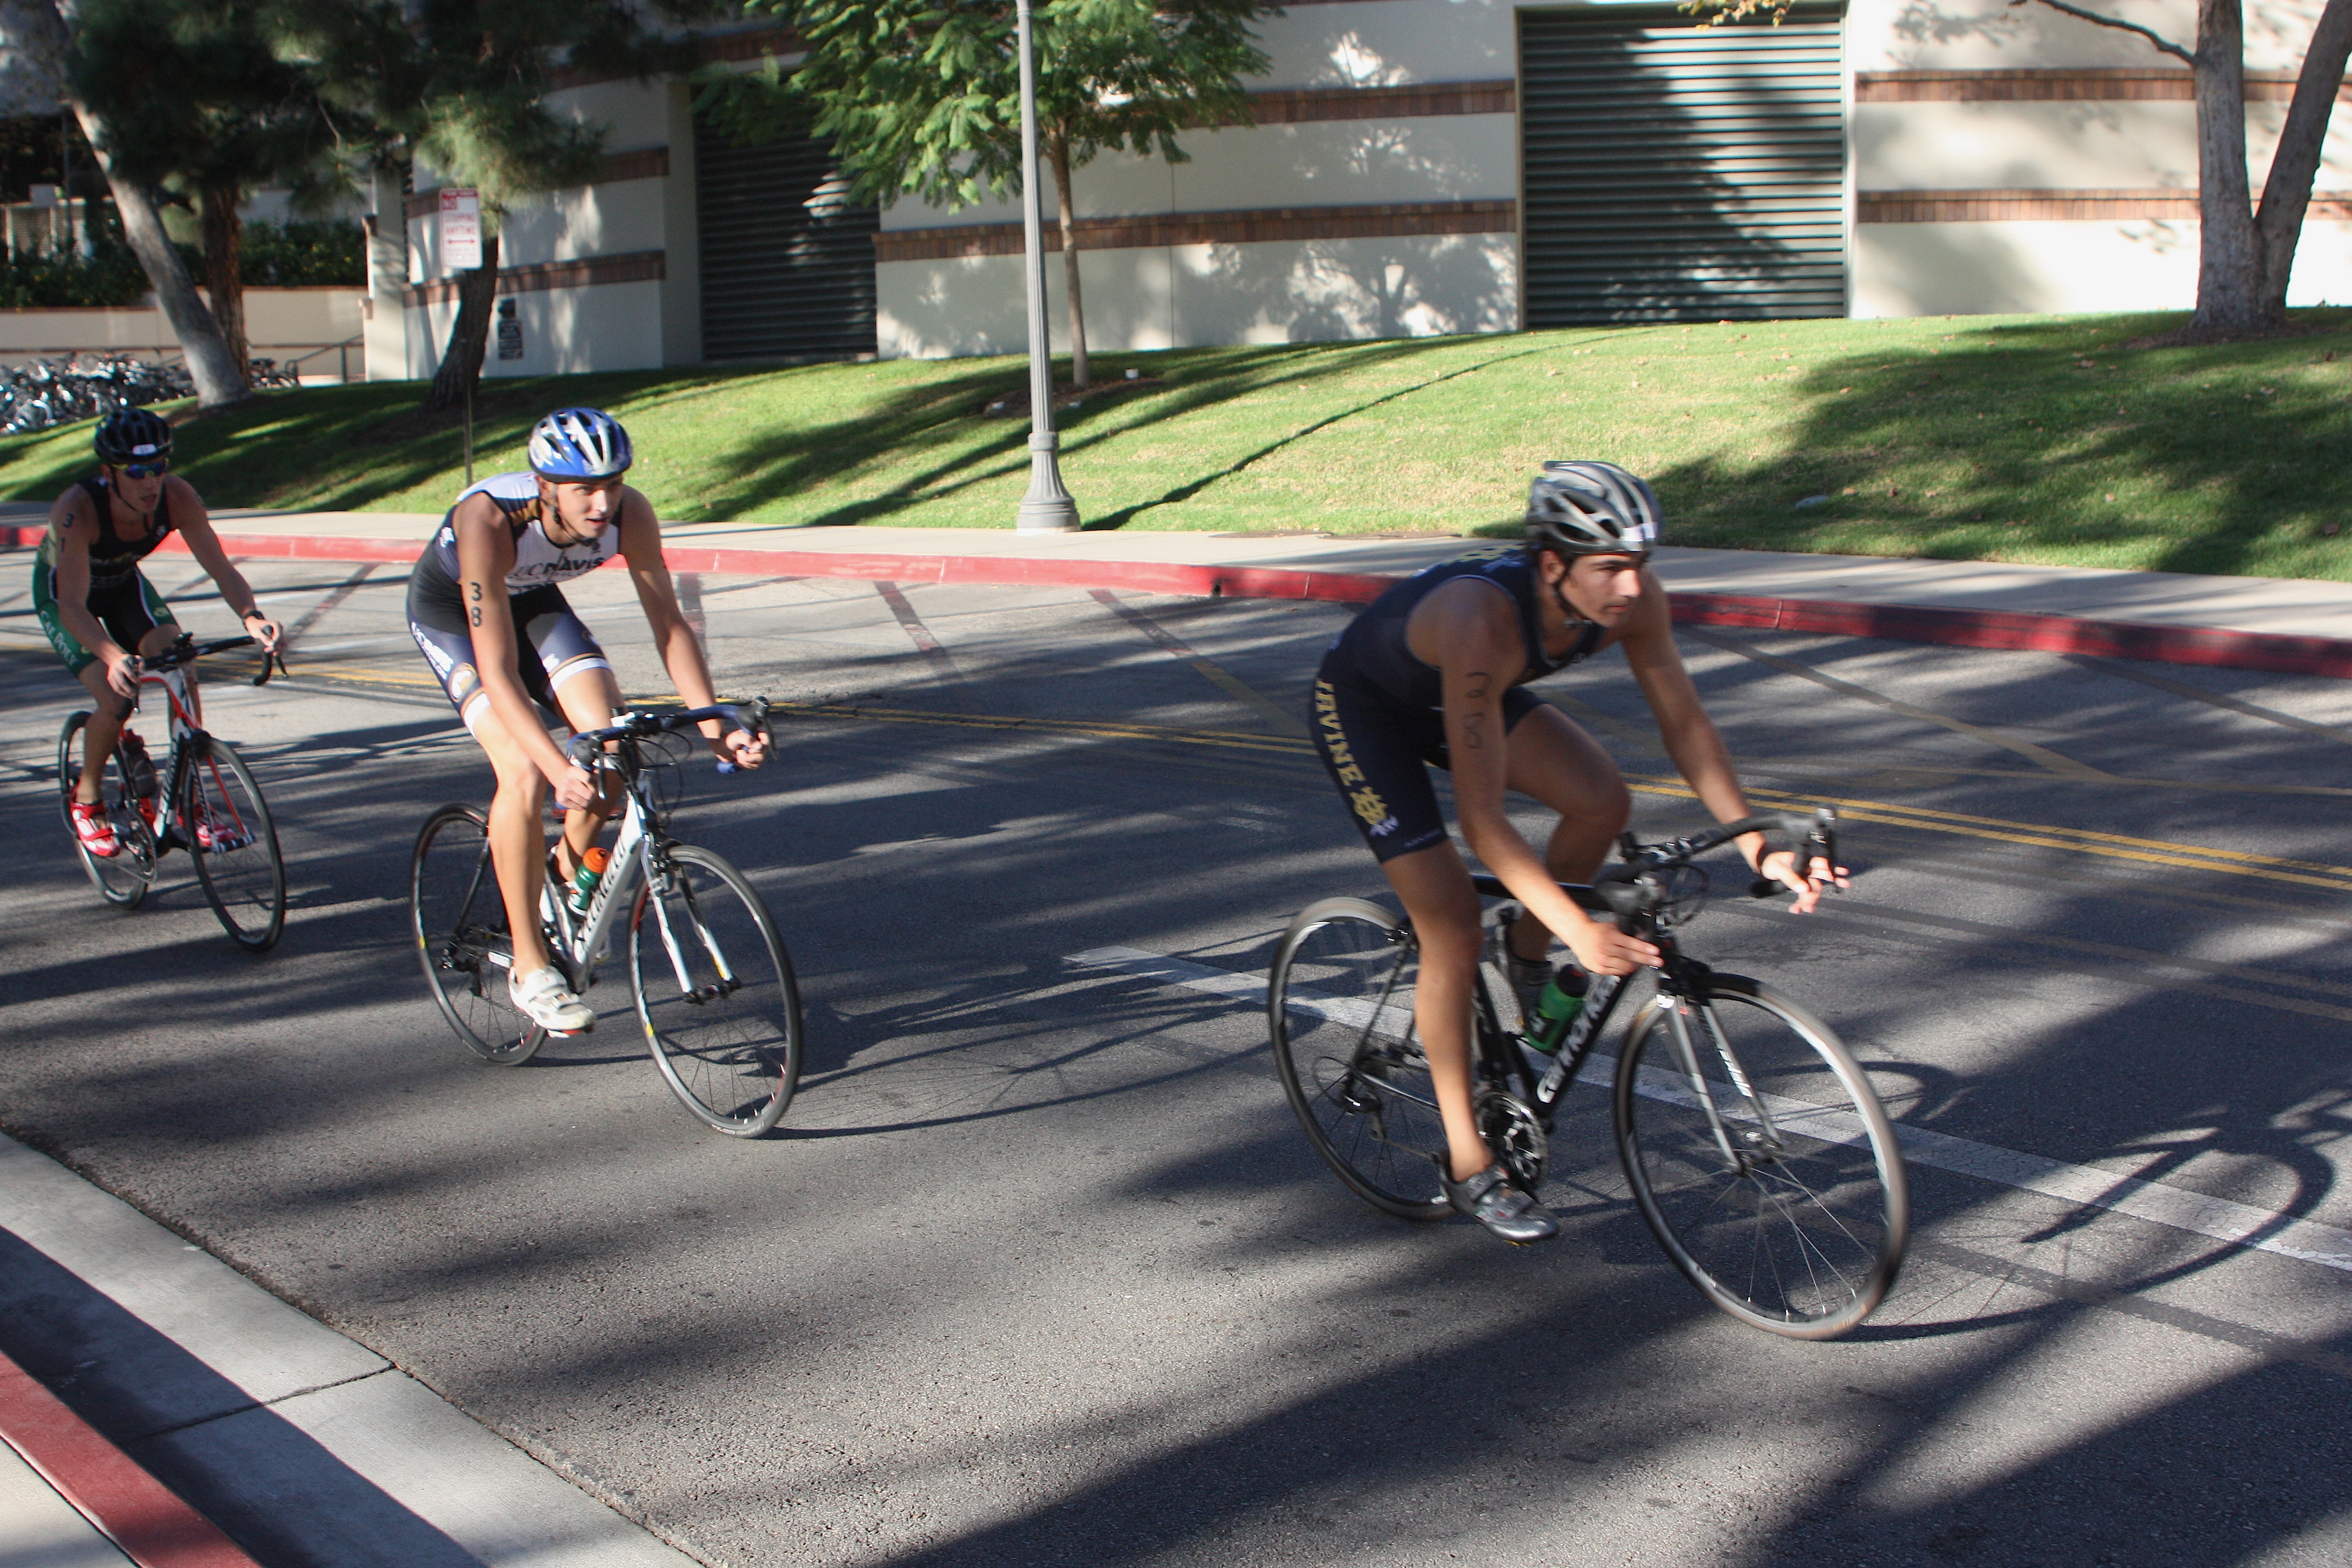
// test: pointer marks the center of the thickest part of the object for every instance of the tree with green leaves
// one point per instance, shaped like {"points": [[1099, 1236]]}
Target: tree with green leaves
{"points": [[40, 37], [461, 85], [2245, 254], [197, 100], [923, 97]]}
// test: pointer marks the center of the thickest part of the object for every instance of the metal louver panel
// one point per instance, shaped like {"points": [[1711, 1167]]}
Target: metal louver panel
{"points": [[787, 263], [1675, 172]]}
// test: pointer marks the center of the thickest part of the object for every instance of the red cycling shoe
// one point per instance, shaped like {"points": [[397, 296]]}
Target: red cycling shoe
{"points": [[96, 832]]}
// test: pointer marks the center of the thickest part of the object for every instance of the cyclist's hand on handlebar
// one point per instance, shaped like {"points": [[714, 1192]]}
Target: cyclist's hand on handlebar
{"points": [[744, 748], [575, 787], [268, 632], [1604, 950], [1818, 877], [122, 675]]}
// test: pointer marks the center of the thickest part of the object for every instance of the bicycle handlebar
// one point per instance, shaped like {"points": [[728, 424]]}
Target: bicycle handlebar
{"points": [[1633, 887], [187, 650], [750, 717]]}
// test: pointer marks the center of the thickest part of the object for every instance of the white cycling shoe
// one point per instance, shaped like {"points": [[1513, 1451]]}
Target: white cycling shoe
{"points": [[544, 998]]}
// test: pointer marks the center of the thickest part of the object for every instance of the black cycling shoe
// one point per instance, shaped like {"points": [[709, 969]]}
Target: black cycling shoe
{"points": [[1490, 1198]]}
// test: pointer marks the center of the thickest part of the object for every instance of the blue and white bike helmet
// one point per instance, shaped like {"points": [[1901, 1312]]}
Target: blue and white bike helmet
{"points": [[580, 444], [1580, 507]]}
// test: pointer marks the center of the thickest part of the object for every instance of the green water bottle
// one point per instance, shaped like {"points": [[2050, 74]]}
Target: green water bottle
{"points": [[593, 866], [1555, 1010]]}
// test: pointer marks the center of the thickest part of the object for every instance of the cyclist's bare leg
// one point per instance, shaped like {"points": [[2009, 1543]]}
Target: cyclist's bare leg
{"points": [[108, 712], [1436, 891], [1554, 761], [518, 842], [589, 700]]}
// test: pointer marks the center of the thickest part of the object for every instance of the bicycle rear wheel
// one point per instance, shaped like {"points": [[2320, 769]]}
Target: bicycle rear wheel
{"points": [[716, 994], [1800, 1227], [122, 879], [460, 925], [225, 822], [1339, 1006]]}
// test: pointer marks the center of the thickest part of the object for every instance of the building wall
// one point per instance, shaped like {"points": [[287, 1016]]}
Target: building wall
{"points": [[2003, 158], [1375, 198], [2015, 159]]}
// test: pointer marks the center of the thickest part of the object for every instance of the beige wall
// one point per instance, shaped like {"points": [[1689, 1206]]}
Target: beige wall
{"points": [[2046, 264], [282, 324]]}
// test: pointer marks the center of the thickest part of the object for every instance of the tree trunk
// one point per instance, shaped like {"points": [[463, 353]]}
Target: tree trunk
{"points": [[2286, 194], [219, 381], [2230, 289], [225, 272], [219, 375], [470, 336], [1057, 153]]}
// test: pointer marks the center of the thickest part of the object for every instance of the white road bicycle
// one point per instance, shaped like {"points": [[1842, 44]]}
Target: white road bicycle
{"points": [[713, 987]]}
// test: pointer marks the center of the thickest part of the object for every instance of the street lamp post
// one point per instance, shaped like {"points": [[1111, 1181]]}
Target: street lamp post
{"points": [[1047, 507]]}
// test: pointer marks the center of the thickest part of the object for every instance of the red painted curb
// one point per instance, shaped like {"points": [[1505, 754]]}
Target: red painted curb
{"points": [[132, 1509], [2010, 629]]}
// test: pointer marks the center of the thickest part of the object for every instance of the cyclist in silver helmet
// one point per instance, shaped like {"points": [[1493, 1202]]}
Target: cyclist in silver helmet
{"points": [[486, 607], [98, 608], [1434, 673]]}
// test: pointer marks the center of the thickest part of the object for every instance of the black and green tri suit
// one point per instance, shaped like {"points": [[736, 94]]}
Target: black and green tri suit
{"points": [[119, 596], [1379, 712]]}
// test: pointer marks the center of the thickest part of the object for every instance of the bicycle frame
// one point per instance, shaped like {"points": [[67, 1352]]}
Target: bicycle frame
{"points": [[638, 852]]}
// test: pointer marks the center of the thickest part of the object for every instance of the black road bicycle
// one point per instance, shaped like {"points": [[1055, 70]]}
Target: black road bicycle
{"points": [[204, 800], [713, 988], [1751, 1137]]}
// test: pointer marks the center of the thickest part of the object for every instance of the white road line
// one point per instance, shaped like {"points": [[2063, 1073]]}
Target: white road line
{"points": [[2239, 1225]]}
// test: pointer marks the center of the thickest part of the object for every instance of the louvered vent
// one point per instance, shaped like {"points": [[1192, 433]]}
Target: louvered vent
{"points": [[787, 262], [1675, 173]]}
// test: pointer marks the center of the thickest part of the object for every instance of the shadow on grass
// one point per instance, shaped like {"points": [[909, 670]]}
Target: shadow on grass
{"points": [[2051, 439]]}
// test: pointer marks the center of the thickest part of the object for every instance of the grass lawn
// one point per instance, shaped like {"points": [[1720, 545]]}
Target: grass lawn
{"points": [[2011, 439]]}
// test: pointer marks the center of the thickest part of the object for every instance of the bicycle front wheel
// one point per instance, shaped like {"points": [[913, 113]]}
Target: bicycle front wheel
{"points": [[716, 994], [123, 877], [460, 925], [1787, 1206], [1339, 1005], [225, 825]]}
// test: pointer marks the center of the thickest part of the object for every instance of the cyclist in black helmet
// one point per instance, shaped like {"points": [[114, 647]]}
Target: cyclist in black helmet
{"points": [[1433, 674], [99, 612]]}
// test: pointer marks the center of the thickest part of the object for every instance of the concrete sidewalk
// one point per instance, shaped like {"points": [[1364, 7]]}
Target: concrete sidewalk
{"points": [[2256, 622]]}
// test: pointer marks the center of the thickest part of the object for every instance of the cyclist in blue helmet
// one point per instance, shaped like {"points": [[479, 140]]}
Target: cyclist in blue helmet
{"points": [[486, 608]]}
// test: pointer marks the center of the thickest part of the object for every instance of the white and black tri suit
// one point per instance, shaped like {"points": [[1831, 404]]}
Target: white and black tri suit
{"points": [[1379, 714], [552, 645]]}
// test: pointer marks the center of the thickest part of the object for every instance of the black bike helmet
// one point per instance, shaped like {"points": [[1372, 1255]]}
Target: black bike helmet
{"points": [[1592, 508], [132, 435]]}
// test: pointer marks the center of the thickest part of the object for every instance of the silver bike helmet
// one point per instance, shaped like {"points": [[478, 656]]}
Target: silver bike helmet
{"points": [[580, 444], [1578, 507]]}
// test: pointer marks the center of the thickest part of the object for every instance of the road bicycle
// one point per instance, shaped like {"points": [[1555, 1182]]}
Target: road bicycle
{"points": [[1752, 1141], [205, 800], [713, 987]]}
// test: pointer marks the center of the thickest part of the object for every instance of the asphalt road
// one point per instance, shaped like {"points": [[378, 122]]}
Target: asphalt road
{"points": [[1039, 1269]]}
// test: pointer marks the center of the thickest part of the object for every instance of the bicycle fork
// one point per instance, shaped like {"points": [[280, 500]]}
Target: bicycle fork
{"points": [[1742, 1149]]}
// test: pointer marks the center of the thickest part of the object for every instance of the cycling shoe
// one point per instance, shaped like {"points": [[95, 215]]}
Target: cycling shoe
{"points": [[1490, 1198], [544, 998]]}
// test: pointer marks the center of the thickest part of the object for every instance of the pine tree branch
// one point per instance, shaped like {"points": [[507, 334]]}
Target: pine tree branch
{"points": [[2150, 33]]}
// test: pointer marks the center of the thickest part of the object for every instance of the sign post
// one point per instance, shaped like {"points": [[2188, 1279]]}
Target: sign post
{"points": [[461, 251]]}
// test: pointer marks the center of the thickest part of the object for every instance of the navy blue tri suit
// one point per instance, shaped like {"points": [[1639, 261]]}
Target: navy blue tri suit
{"points": [[1379, 714]]}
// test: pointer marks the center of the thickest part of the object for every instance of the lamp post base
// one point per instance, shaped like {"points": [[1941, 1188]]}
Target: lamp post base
{"points": [[1047, 507]]}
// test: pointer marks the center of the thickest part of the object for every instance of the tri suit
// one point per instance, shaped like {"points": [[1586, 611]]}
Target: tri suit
{"points": [[552, 645], [1380, 714], [121, 597]]}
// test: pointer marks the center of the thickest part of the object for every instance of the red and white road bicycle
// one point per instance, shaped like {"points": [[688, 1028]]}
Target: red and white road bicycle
{"points": [[202, 798]]}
